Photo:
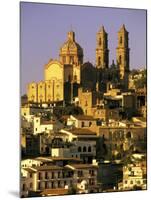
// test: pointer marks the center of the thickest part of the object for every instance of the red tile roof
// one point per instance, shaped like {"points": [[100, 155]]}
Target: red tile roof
{"points": [[81, 166], [48, 167], [57, 191], [84, 117], [82, 131]]}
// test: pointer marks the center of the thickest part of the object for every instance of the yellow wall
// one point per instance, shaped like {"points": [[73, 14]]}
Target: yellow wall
{"points": [[85, 101], [53, 70], [32, 92], [41, 92]]}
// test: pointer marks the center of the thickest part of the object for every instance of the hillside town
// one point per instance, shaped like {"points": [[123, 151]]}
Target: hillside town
{"points": [[83, 127]]}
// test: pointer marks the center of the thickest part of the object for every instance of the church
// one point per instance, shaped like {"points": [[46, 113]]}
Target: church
{"points": [[64, 78]]}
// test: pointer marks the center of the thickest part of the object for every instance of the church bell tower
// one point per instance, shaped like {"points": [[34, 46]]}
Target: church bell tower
{"points": [[102, 52], [122, 56]]}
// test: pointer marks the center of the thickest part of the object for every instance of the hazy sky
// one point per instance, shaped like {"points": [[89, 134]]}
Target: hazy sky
{"points": [[44, 29]]}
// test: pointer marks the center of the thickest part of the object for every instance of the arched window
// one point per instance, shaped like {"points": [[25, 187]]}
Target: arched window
{"points": [[100, 42], [121, 40], [79, 149], [84, 149], [99, 60]]}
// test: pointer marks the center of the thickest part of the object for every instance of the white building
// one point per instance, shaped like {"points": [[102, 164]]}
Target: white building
{"points": [[41, 126], [41, 178], [81, 121], [134, 175]]}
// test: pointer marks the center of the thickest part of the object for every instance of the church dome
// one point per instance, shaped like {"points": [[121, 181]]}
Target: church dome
{"points": [[71, 44], [71, 49]]}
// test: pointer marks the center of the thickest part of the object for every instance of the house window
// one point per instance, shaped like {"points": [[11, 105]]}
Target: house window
{"points": [[90, 123], [82, 124], [79, 149], [80, 173], [38, 185], [39, 176], [46, 175], [131, 182], [47, 185], [59, 185], [30, 185], [84, 149], [89, 149], [91, 172]]}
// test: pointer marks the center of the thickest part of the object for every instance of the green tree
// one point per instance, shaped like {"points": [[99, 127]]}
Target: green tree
{"points": [[72, 190]]}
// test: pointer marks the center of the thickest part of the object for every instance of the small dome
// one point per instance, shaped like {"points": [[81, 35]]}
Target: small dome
{"points": [[71, 45]]}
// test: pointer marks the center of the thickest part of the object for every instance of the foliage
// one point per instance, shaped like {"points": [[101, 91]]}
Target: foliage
{"points": [[68, 110], [72, 190], [141, 82], [101, 149]]}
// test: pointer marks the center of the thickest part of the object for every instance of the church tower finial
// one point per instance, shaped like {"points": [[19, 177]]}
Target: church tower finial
{"points": [[71, 36]]}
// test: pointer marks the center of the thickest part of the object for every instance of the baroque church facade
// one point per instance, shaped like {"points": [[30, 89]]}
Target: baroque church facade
{"points": [[63, 78]]}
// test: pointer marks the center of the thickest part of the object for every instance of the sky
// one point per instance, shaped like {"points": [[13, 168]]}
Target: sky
{"points": [[44, 27]]}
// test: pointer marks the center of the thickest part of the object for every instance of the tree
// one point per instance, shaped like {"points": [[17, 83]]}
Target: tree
{"points": [[68, 110], [72, 190]]}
